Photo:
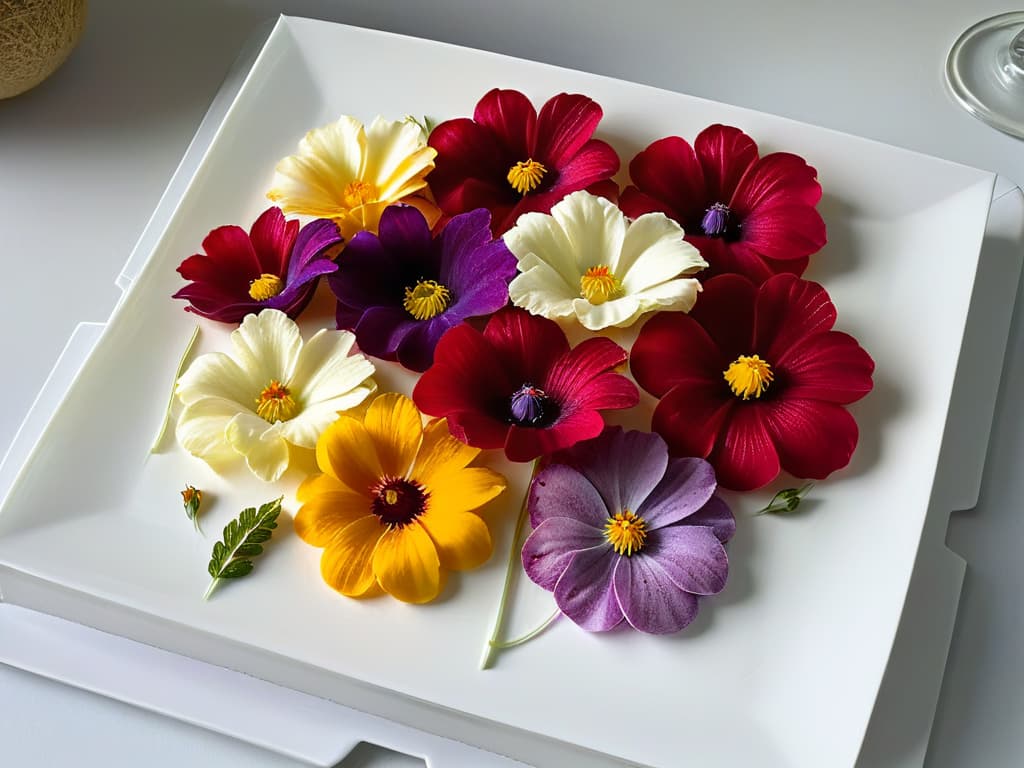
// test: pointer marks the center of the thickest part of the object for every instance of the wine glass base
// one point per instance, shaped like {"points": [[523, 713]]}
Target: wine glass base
{"points": [[983, 79]]}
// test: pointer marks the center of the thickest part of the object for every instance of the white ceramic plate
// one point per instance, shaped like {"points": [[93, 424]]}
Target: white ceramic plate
{"points": [[781, 670]]}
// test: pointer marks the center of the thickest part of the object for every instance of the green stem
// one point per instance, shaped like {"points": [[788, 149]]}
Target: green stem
{"points": [[209, 589], [529, 635], [493, 644], [170, 400]]}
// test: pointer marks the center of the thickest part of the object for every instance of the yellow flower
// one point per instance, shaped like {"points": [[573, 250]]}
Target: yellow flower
{"points": [[395, 503], [350, 174]]}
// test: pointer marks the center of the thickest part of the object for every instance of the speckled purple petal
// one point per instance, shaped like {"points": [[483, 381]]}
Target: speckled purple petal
{"points": [[685, 488], [550, 547], [649, 599], [716, 515], [692, 556], [624, 466], [584, 591], [561, 491]]}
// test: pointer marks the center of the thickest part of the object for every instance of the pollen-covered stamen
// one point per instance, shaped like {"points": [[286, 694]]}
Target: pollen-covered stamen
{"points": [[266, 286], [716, 220], [749, 376], [359, 193], [526, 175], [397, 501], [527, 405], [275, 403], [598, 285], [427, 299], [626, 531]]}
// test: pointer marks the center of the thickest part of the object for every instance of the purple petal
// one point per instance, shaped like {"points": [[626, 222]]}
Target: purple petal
{"points": [[685, 488], [692, 556], [416, 350], [313, 239], [300, 291], [625, 467], [366, 275], [649, 599], [550, 547], [584, 591], [403, 228], [381, 329], [561, 491], [717, 516]]}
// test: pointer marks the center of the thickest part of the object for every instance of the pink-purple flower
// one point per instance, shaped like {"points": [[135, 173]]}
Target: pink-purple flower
{"points": [[623, 532]]}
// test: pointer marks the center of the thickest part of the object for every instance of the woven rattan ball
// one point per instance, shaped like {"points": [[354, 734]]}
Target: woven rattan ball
{"points": [[35, 38]]}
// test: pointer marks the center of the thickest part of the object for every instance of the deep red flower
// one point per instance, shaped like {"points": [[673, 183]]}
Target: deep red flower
{"points": [[749, 215], [754, 379], [519, 386], [511, 160]]}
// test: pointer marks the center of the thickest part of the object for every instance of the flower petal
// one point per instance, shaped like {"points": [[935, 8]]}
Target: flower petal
{"points": [[595, 228], [692, 556], [584, 591], [396, 159], [265, 450], [441, 453], [529, 443], [464, 490], [624, 466], [395, 426], [591, 168], [725, 153], [618, 313], [828, 366], [813, 438], [717, 516], [511, 118], [346, 452], [789, 310], [684, 488], [405, 230], [347, 562], [308, 259], [217, 375], [541, 290], [785, 231], [230, 251], [326, 370], [653, 251], [272, 240], [668, 171], [469, 167], [562, 491], [586, 363], [566, 122], [550, 547], [323, 515], [671, 348], [726, 312], [462, 538], [776, 179], [649, 599], [744, 457], [406, 564], [266, 347], [526, 345], [305, 429], [200, 429]]}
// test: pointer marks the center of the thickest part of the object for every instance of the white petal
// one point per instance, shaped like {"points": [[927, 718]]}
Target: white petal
{"points": [[395, 154], [538, 237], [266, 347], [654, 251], [325, 370], [541, 290], [595, 228], [617, 312], [305, 429], [264, 449], [216, 375], [673, 296], [201, 426]]}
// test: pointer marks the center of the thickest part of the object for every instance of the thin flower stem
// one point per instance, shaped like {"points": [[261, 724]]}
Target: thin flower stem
{"points": [[529, 635], [209, 589], [170, 400], [493, 644]]}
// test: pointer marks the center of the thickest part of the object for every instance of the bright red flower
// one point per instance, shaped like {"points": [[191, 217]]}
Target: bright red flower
{"points": [[754, 379], [519, 386], [749, 215], [511, 160]]}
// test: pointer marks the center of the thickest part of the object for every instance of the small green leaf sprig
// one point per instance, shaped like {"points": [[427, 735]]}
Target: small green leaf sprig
{"points": [[786, 500], [243, 540]]}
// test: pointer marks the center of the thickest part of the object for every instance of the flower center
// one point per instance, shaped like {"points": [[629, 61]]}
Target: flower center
{"points": [[716, 220], [526, 175], [427, 299], [359, 193], [275, 403], [598, 285], [627, 532], [397, 501], [527, 405], [749, 376], [266, 286]]}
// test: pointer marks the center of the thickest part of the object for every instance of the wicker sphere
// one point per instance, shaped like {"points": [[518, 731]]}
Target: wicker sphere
{"points": [[35, 38]]}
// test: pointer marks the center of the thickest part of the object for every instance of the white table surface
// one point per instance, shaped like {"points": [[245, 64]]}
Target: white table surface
{"points": [[84, 158]]}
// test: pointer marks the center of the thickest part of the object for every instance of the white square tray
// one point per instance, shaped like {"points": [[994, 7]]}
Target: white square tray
{"points": [[783, 669]]}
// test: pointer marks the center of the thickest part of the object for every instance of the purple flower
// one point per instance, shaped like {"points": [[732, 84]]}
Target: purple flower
{"points": [[400, 290], [622, 531]]}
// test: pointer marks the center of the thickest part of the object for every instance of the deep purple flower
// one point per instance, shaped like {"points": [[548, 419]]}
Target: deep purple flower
{"points": [[622, 531], [275, 265], [400, 290]]}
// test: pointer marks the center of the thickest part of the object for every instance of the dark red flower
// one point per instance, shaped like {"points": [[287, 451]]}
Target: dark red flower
{"points": [[511, 160], [519, 386], [749, 215], [754, 379]]}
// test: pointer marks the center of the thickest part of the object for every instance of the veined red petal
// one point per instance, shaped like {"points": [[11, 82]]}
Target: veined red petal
{"points": [[745, 457], [635, 204], [273, 239], [784, 231], [511, 118], [776, 179], [788, 310], [725, 153], [731, 258], [526, 345], [669, 172], [595, 161], [670, 347], [231, 248], [527, 443], [725, 308], [828, 366], [566, 123], [580, 365], [466, 152], [813, 438], [691, 416]]}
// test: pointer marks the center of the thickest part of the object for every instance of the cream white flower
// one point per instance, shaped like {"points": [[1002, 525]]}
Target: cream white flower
{"points": [[586, 259], [270, 393]]}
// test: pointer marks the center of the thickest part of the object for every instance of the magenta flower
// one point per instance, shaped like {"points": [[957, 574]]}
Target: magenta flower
{"points": [[623, 532], [399, 291], [275, 265]]}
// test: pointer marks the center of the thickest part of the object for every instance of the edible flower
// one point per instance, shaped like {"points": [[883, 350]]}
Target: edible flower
{"points": [[395, 503]]}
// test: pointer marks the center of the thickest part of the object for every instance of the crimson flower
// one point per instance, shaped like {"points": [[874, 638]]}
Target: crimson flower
{"points": [[754, 379], [518, 385], [511, 160], [275, 265], [751, 215]]}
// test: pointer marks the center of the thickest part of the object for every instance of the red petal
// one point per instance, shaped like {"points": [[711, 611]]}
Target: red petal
{"points": [[734, 258], [272, 239], [578, 366], [526, 345], [813, 438], [828, 366], [671, 347], [478, 429], [788, 311], [785, 231], [566, 123], [725, 153], [726, 310], [595, 162], [526, 443], [668, 171], [607, 189], [691, 415], [744, 457], [786, 266], [511, 118], [635, 204], [465, 151], [776, 179]]}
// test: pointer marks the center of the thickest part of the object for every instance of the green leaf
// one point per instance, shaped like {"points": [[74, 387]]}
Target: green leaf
{"points": [[786, 500], [242, 540]]}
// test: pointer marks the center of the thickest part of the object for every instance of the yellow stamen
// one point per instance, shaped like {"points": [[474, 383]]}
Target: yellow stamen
{"points": [[599, 285], [390, 496], [427, 299], [526, 175], [359, 193], [275, 403], [749, 376], [190, 494], [627, 532], [266, 286]]}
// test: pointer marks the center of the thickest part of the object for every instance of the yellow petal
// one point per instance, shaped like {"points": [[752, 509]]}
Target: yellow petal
{"points": [[462, 538], [441, 452], [317, 484], [347, 562], [406, 564], [394, 424], [346, 451], [464, 489], [323, 516]]}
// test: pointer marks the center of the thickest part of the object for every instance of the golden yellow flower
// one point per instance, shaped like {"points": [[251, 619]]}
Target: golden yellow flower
{"points": [[396, 503], [349, 173]]}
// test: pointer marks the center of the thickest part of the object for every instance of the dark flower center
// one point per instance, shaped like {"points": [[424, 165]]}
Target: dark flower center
{"points": [[397, 501], [530, 406], [716, 220]]}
